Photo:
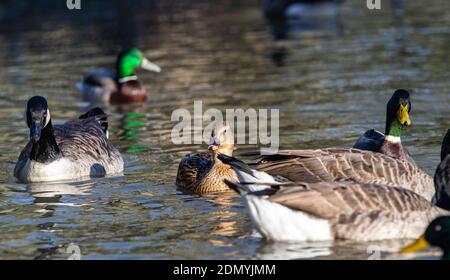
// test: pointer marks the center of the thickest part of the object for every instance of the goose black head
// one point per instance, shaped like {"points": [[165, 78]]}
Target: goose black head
{"points": [[398, 108], [37, 116]]}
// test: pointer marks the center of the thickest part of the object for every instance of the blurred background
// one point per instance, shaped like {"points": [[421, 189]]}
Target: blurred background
{"points": [[329, 66]]}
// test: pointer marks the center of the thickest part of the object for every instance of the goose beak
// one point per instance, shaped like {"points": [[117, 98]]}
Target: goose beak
{"points": [[150, 66], [418, 245], [403, 115], [35, 131]]}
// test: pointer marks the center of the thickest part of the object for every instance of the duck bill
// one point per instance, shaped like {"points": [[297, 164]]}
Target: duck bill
{"points": [[213, 147], [150, 66], [35, 131], [403, 115], [419, 245]]}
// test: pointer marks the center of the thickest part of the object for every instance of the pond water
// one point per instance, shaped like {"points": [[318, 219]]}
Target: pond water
{"points": [[330, 80]]}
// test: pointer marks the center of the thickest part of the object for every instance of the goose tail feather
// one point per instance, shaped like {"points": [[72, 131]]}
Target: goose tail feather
{"points": [[100, 116], [254, 180]]}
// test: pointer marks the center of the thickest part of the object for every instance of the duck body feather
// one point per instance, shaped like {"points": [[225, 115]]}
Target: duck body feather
{"points": [[84, 151], [98, 86], [203, 173], [102, 86], [375, 141], [335, 164]]}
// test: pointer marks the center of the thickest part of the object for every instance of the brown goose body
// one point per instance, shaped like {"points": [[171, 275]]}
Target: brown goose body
{"points": [[335, 164], [346, 210]]}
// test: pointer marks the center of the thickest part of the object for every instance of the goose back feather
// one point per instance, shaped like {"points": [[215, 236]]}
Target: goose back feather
{"points": [[334, 164], [338, 210]]}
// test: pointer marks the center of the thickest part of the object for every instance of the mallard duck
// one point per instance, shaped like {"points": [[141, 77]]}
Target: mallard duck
{"points": [[203, 173], [334, 164], [74, 150], [397, 118], [121, 86], [437, 234], [297, 211]]}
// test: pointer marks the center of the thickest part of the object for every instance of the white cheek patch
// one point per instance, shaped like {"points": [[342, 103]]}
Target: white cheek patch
{"points": [[47, 119]]}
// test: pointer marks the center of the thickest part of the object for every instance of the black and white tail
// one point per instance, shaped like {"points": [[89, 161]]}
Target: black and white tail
{"points": [[250, 180]]}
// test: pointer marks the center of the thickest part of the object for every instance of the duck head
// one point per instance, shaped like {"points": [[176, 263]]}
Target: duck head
{"points": [[397, 112], [222, 140], [37, 117], [130, 59], [437, 234]]}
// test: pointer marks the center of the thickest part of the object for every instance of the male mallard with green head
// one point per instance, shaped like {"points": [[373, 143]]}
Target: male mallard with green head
{"points": [[104, 86], [204, 173], [397, 119]]}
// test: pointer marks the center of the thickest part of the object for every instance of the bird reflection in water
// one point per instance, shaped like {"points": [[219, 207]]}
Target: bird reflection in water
{"points": [[226, 226], [51, 193], [291, 16], [132, 122], [289, 251]]}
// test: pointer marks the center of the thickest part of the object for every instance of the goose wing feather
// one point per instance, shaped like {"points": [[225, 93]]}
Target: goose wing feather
{"points": [[84, 140], [362, 211], [335, 164]]}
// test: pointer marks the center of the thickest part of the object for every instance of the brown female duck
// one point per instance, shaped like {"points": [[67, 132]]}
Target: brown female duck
{"points": [[204, 173]]}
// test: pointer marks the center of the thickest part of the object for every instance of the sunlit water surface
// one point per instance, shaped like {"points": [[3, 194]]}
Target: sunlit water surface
{"points": [[330, 82]]}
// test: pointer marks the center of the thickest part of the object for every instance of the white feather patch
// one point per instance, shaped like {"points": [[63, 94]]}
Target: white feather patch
{"points": [[47, 119], [279, 223], [261, 180], [393, 139]]}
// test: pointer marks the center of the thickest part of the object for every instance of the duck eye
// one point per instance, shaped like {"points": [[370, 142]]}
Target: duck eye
{"points": [[438, 228]]}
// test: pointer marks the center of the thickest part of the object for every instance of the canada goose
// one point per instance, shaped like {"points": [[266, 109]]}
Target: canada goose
{"points": [[334, 164], [104, 86], [397, 118], [436, 234], [296, 211], [203, 173], [74, 150]]}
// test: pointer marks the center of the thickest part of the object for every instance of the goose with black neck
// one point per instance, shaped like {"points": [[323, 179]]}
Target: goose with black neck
{"points": [[74, 150]]}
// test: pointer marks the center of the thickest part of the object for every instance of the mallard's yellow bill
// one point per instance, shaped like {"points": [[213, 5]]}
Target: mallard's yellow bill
{"points": [[418, 245], [403, 115]]}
